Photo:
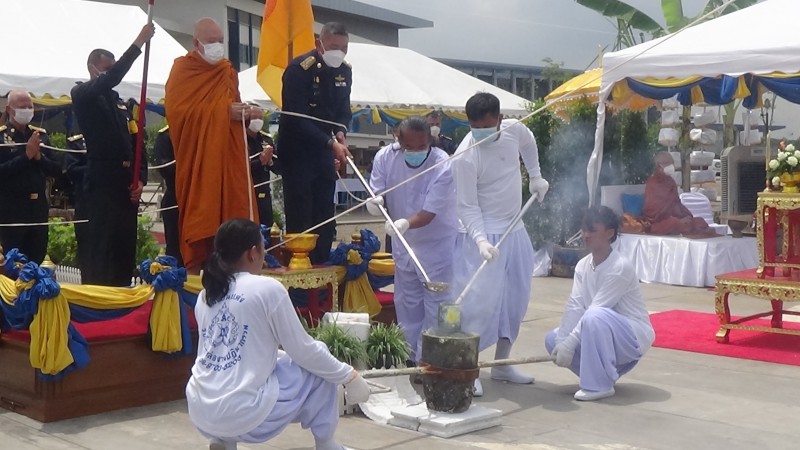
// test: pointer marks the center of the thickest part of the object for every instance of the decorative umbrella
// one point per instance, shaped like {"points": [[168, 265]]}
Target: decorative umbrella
{"points": [[587, 85]]}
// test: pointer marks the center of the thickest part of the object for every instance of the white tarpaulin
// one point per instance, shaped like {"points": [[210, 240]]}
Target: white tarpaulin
{"points": [[760, 39], [56, 36], [394, 77]]}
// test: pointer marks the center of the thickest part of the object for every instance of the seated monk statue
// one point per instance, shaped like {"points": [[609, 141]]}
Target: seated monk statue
{"points": [[662, 204]]}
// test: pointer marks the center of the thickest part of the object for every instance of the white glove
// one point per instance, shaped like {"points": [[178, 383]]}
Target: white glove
{"points": [[565, 351], [372, 205], [538, 186], [401, 224], [356, 391], [488, 251]]}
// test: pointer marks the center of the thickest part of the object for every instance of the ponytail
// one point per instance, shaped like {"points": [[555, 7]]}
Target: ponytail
{"points": [[233, 238], [216, 280]]}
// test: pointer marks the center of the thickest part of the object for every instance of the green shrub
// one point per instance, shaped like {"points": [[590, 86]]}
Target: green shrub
{"points": [[62, 247], [386, 346], [146, 245], [344, 347]]}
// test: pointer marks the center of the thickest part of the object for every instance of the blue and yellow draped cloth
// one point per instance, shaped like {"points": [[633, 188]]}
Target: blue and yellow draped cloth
{"points": [[710, 90], [31, 299], [359, 295]]}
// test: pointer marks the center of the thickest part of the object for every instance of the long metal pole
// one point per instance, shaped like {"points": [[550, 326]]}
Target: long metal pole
{"points": [[379, 373], [502, 238], [389, 220], [137, 156]]}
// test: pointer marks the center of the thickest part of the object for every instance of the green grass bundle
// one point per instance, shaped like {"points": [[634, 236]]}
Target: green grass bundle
{"points": [[386, 346], [344, 347]]}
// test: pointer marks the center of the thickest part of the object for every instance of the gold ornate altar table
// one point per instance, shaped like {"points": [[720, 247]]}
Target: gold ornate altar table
{"points": [[778, 234], [776, 290], [312, 279]]}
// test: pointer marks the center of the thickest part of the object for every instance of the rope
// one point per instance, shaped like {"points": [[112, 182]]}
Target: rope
{"points": [[267, 182], [41, 224], [353, 196], [249, 175], [150, 211], [161, 166], [305, 116]]}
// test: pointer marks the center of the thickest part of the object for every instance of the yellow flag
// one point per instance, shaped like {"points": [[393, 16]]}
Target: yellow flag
{"points": [[286, 32]]}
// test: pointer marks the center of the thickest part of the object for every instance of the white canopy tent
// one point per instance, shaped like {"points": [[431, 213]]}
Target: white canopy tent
{"points": [[49, 63], [390, 77], [759, 40]]}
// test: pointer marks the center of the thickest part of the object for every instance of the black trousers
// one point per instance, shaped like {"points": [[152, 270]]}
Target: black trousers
{"points": [[31, 241], [264, 202], [171, 230], [111, 232], [81, 232], [308, 200]]}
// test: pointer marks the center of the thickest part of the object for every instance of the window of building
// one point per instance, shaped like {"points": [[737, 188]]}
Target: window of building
{"points": [[244, 33], [524, 89]]}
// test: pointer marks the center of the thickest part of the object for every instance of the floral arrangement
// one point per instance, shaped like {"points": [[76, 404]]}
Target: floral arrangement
{"points": [[785, 162]]}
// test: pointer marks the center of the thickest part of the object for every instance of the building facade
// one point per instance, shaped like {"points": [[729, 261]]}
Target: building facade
{"points": [[242, 22], [529, 82]]}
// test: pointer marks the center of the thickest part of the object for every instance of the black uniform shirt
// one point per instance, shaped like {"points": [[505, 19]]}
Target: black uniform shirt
{"points": [[21, 177], [256, 145], [104, 118], [447, 144], [313, 88]]}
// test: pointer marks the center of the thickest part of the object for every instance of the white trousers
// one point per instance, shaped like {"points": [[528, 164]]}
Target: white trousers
{"points": [[497, 302], [303, 398], [608, 349], [417, 308]]}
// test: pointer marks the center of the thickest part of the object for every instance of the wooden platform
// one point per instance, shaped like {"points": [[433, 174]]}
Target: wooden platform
{"points": [[122, 373]]}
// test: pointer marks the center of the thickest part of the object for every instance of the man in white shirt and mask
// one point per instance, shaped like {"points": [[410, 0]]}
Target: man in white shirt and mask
{"points": [[424, 210], [489, 195]]}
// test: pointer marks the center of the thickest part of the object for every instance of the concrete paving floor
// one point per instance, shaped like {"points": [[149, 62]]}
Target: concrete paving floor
{"points": [[672, 400]]}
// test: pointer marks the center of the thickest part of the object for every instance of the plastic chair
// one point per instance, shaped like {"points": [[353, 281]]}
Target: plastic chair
{"points": [[700, 206]]}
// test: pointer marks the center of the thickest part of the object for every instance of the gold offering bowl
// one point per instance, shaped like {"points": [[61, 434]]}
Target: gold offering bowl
{"points": [[300, 244]]}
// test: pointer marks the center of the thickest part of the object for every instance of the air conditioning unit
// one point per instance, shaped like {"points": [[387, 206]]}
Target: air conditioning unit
{"points": [[743, 177]]}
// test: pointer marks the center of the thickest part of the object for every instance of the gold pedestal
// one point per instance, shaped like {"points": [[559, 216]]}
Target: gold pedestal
{"points": [[300, 244]]}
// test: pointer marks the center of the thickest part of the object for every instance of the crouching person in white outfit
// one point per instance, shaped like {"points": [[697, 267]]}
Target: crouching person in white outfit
{"points": [[605, 328], [243, 389]]}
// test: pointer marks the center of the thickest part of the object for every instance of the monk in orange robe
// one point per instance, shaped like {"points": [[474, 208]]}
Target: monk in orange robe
{"points": [[662, 204], [206, 118]]}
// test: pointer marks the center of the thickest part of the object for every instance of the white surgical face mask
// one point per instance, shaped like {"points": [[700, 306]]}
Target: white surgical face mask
{"points": [[669, 170], [256, 125], [415, 158], [480, 134], [23, 116], [213, 52], [435, 131], [333, 58]]}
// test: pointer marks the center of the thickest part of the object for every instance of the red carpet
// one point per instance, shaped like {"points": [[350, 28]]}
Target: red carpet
{"points": [[695, 332]]}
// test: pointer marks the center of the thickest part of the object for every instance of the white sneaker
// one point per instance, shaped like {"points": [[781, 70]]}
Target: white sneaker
{"points": [[590, 396], [477, 388], [510, 374]]}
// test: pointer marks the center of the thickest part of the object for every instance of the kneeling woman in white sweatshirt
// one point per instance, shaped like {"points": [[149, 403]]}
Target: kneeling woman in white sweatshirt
{"points": [[243, 388]]}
